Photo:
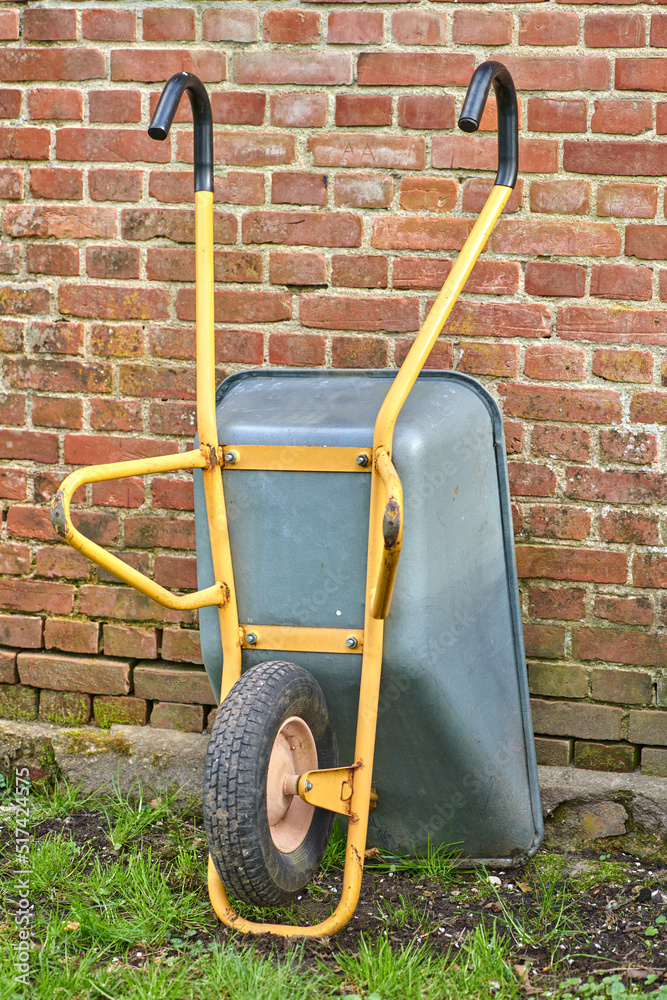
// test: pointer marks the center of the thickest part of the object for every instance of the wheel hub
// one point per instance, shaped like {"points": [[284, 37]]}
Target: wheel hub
{"points": [[292, 754]]}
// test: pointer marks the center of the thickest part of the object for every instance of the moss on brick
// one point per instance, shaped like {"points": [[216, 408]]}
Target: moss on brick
{"points": [[65, 708], [89, 741], [18, 702]]}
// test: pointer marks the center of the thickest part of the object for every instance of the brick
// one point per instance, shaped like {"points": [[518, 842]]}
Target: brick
{"points": [[229, 26], [473, 27], [606, 756], [481, 153], [558, 680], [115, 185], [9, 260], [559, 73], [639, 201], [19, 443], [10, 102], [629, 159], [297, 269], [114, 106], [544, 640], [112, 262], [622, 117], [292, 188], [12, 411], [658, 36], [94, 675], [477, 190], [49, 25], [426, 111], [549, 28], [123, 711], [118, 145], [358, 352], [8, 672], [174, 224], [122, 493], [619, 646], [649, 569], [64, 708], [130, 641], [419, 27], [53, 63], [72, 636], [232, 306], [531, 480], [573, 239], [84, 449], [165, 381], [179, 572], [363, 109], [210, 719], [654, 762], [649, 407], [52, 259], [626, 687], [153, 532], [310, 229], [596, 406], [21, 630], [622, 29], [414, 69], [557, 279], [365, 150], [624, 610], [54, 182], [11, 183], [112, 302], [9, 24], [47, 482], [314, 68], [564, 563], [553, 752], [489, 359], [125, 604], [553, 362], [562, 603], [560, 522], [47, 103], [163, 24], [623, 366], [172, 418], [172, 682], [612, 325], [184, 718], [550, 114], [430, 194], [24, 143], [358, 271], [181, 645], [441, 356], [423, 233], [661, 687], [70, 221], [363, 191], [152, 65], [121, 340], [115, 415], [628, 446], [297, 349], [616, 281], [641, 73], [346, 312], [14, 559], [109, 25], [614, 486], [288, 26], [62, 412], [172, 494], [648, 727], [11, 335], [60, 562], [24, 521], [295, 110], [18, 702], [579, 719], [355, 27], [565, 197], [24, 300]]}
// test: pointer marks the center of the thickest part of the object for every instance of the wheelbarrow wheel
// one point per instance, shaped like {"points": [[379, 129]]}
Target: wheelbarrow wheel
{"points": [[267, 844]]}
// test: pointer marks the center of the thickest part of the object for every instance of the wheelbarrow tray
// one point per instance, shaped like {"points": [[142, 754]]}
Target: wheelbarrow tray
{"points": [[454, 759]]}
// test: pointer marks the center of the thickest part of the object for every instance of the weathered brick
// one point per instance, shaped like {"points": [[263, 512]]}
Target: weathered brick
{"points": [[629, 159], [130, 641], [628, 446], [84, 449], [323, 68], [72, 636], [356, 149], [565, 197], [612, 325], [561, 718], [649, 569], [627, 527], [288, 26], [419, 27], [615, 486], [555, 278], [362, 27], [52, 258], [121, 493], [553, 752], [624, 610], [13, 482], [114, 185], [414, 69], [562, 603], [626, 687], [162, 24], [616, 281], [573, 239], [426, 111], [481, 153], [299, 110], [64, 708], [564, 563], [46, 103], [551, 27], [473, 27], [124, 711], [654, 762], [112, 302], [14, 559], [115, 415], [354, 110], [94, 675], [18, 702], [181, 645], [114, 106], [79, 222], [648, 727], [9, 24], [292, 188], [179, 572], [61, 562], [363, 191], [358, 352], [614, 29], [649, 407], [596, 406], [109, 25], [489, 359], [558, 680], [11, 183], [619, 646], [553, 362], [358, 271], [22, 631], [297, 269], [52, 63], [8, 671], [560, 522], [185, 718], [172, 682], [297, 349], [622, 117], [544, 641], [441, 356], [606, 756], [150, 65], [430, 194], [49, 25], [172, 494], [229, 26], [639, 201], [307, 229], [345, 312]]}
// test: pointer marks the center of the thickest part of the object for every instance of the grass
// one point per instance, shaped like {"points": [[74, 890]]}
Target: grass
{"points": [[127, 916]]}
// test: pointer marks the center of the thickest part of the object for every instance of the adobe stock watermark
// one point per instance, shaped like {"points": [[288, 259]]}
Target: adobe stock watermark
{"points": [[24, 908]]}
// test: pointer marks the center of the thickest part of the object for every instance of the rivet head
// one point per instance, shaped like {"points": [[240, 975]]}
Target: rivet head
{"points": [[230, 457], [251, 638], [351, 643], [362, 459], [308, 786]]}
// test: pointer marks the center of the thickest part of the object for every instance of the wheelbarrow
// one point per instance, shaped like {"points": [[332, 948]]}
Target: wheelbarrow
{"points": [[329, 477]]}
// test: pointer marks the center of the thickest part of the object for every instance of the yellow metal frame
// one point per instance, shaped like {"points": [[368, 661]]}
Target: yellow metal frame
{"points": [[348, 789]]}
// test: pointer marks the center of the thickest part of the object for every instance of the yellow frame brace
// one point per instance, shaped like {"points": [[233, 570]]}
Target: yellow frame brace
{"points": [[385, 527]]}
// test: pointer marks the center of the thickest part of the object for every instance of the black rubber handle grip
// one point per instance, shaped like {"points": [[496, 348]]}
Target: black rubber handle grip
{"points": [[495, 73], [201, 112]]}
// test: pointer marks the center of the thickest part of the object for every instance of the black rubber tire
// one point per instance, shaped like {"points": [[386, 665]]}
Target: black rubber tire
{"points": [[251, 867]]}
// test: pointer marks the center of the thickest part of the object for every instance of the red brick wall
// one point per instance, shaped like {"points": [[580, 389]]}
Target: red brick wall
{"points": [[343, 192]]}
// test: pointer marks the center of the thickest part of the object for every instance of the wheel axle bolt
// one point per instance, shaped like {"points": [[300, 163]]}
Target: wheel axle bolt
{"points": [[351, 643], [251, 638], [362, 459], [230, 457], [308, 786]]}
